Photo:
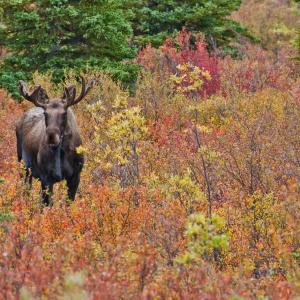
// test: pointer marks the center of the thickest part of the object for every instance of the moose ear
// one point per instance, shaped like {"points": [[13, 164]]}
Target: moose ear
{"points": [[69, 95], [43, 97], [38, 96]]}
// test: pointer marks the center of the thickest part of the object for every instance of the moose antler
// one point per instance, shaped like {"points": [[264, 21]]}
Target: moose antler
{"points": [[36, 95], [84, 89], [70, 92]]}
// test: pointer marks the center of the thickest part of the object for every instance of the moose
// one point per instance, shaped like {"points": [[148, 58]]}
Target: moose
{"points": [[47, 138]]}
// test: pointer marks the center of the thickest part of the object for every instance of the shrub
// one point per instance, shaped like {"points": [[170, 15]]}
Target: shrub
{"points": [[204, 237]]}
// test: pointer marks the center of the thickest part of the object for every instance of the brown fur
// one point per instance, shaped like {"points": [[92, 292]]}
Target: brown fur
{"points": [[47, 138]]}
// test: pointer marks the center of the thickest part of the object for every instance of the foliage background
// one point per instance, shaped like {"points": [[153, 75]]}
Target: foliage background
{"points": [[190, 188]]}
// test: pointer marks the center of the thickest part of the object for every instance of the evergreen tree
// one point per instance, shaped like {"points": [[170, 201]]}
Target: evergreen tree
{"points": [[53, 35], [156, 19]]}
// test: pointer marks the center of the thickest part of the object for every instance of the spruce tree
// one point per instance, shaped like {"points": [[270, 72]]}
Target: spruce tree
{"points": [[156, 19], [54, 35]]}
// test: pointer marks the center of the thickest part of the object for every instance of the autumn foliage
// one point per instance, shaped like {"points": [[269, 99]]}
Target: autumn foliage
{"points": [[190, 188]]}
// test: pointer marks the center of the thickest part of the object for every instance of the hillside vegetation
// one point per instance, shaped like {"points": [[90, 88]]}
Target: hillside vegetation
{"points": [[190, 188]]}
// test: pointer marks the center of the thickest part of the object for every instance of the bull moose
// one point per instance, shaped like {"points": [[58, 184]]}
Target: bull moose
{"points": [[47, 138]]}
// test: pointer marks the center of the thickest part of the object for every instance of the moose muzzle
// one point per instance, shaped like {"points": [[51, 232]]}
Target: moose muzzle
{"points": [[53, 137]]}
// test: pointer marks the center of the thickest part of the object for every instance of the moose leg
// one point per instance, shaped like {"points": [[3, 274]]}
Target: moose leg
{"points": [[28, 179], [27, 182], [19, 146], [72, 184], [46, 192]]}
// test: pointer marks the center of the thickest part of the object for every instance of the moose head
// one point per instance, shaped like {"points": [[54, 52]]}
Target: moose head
{"points": [[55, 110]]}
